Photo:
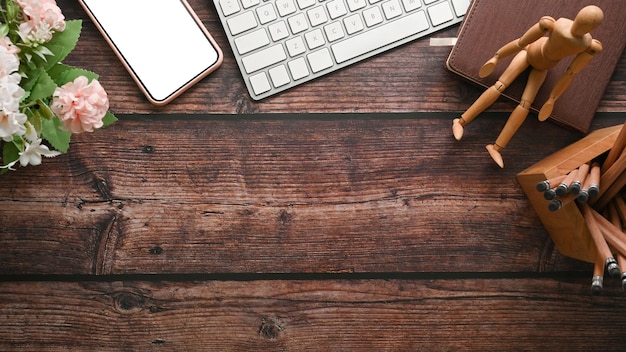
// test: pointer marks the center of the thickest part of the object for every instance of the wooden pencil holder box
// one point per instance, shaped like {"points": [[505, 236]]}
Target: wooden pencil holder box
{"points": [[567, 226]]}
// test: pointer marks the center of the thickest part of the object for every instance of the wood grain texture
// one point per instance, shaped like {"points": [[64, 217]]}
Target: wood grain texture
{"points": [[335, 315], [224, 194], [160, 232]]}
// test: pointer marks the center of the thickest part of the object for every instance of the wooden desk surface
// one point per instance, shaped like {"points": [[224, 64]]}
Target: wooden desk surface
{"points": [[200, 226]]}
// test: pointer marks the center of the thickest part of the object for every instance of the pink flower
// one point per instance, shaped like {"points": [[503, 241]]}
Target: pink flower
{"points": [[43, 17], [11, 48], [80, 105]]}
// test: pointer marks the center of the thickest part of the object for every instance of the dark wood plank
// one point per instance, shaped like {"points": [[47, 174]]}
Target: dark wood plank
{"points": [[280, 194], [448, 241], [407, 79], [363, 315]]}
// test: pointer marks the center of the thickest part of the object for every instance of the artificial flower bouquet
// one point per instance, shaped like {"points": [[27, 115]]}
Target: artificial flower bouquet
{"points": [[43, 101]]}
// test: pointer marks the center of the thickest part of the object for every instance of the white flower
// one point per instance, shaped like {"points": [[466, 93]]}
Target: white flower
{"points": [[10, 93], [33, 149], [12, 124], [11, 120], [9, 62]]}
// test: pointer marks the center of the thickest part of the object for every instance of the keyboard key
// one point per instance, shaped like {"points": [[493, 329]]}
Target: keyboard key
{"points": [[264, 58], [317, 16], [249, 3], [252, 41], [334, 31], [440, 13], [372, 16], [410, 5], [266, 13], [241, 23], [279, 75], [353, 23], [379, 36], [314, 39], [303, 4], [298, 68], [460, 7], [295, 46], [298, 23], [278, 31], [336, 8], [392, 9], [320, 60], [229, 7], [354, 5], [260, 83], [285, 7]]}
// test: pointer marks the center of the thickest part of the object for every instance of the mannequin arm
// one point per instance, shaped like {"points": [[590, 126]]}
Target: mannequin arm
{"points": [[578, 63], [545, 24]]}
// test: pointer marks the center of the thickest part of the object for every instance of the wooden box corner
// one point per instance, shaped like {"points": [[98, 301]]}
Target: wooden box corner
{"points": [[567, 226]]}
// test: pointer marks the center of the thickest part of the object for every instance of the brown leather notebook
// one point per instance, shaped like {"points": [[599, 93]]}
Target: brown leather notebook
{"points": [[489, 24]]}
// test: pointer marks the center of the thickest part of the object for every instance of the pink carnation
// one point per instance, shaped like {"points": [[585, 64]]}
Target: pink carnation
{"points": [[80, 105], [43, 17]]}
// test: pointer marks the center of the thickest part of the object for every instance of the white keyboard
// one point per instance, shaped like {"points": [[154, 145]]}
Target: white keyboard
{"points": [[280, 44]]}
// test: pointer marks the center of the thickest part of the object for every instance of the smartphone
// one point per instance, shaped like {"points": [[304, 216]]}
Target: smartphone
{"points": [[162, 44]]}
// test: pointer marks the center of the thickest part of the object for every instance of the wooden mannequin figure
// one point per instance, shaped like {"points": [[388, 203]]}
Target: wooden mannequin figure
{"points": [[540, 52]]}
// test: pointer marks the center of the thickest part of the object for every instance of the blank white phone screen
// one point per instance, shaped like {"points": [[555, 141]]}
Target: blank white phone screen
{"points": [[160, 41]]}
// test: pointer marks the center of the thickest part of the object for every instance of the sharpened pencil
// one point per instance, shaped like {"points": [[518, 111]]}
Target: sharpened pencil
{"points": [[599, 239]]}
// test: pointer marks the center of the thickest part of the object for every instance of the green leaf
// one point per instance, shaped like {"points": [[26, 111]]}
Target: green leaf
{"points": [[4, 30], [43, 88], [35, 119], [30, 81], [62, 74], [58, 138], [10, 153], [108, 119], [62, 43]]}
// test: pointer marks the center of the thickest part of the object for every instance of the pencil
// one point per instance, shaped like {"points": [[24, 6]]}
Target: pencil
{"points": [[599, 240], [577, 184], [615, 219], [594, 180], [614, 171], [611, 191], [560, 202], [616, 150], [549, 194], [545, 185], [563, 187], [598, 275], [614, 236], [620, 205], [590, 186]]}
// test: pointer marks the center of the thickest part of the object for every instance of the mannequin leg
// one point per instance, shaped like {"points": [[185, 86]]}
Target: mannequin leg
{"points": [[517, 117], [517, 66]]}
